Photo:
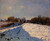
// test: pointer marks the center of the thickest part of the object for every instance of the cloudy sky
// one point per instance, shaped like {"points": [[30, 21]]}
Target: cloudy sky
{"points": [[21, 8]]}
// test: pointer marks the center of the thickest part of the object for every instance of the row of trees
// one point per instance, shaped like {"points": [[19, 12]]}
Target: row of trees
{"points": [[41, 20], [13, 19], [37, 20]]}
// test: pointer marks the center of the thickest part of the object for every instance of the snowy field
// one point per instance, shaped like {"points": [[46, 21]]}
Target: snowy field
{"points": [[26, 32], [3, 23]]}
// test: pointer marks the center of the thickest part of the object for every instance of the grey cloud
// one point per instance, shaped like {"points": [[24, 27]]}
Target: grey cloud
{"points": [[30, 8]]}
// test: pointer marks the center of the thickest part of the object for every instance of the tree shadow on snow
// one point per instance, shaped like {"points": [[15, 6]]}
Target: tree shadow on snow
{"points": [[20, 33]]}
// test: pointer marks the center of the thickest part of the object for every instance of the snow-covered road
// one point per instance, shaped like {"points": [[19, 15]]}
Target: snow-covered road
{"points": [[27, 32]]}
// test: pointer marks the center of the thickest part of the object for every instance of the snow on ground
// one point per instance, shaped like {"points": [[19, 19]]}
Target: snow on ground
{"points": [[4, 23], [26, 32]]}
